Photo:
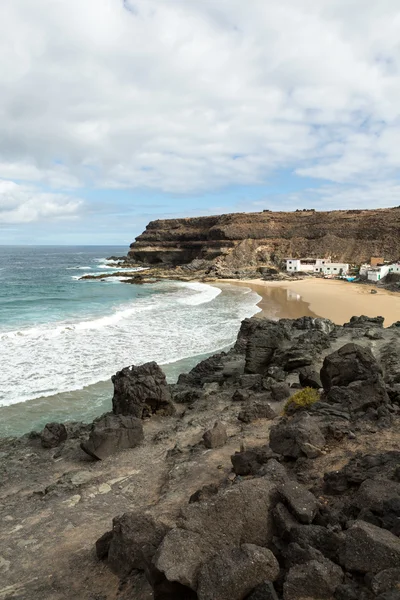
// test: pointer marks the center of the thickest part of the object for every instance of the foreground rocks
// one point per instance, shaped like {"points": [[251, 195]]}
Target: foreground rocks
{"points": [[212, 488]]}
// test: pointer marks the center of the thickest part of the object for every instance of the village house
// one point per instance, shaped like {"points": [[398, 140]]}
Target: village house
{"points": [[378, 273], [316, 265], [305, 265]]}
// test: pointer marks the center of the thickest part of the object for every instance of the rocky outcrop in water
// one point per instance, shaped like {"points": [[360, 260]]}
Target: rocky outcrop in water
{"points": [[239, 244]]}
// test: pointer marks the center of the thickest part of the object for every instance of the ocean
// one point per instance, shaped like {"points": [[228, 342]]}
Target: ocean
{"points": [[61, 339]]}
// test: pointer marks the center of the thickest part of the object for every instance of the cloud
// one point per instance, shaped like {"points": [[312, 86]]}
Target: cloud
{"points": [[187, 96], [24, 204]]}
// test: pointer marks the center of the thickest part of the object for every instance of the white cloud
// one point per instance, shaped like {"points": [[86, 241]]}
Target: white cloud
{"points": [[25, 204], [191, 95]]}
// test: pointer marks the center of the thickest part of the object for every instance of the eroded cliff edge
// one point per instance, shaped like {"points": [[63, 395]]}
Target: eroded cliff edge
{"points": [[251, 239]]}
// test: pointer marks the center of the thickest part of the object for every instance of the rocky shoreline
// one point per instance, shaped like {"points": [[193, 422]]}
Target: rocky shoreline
{"points": [[267, 472]]}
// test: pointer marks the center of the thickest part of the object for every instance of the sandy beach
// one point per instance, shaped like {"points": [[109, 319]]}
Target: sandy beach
{"points": [[335, 300]]}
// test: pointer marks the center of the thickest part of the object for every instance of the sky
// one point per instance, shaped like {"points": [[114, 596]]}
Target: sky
{"points": [[117, 112]]}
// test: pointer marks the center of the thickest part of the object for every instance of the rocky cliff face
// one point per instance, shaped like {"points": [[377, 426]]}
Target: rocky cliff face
{"points": [[250, 239]]}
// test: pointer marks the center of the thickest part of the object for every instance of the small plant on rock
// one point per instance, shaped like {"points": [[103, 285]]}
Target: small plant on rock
{"points": [[301, 400]]}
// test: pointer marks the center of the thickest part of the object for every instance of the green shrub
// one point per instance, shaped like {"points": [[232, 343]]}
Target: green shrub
{"points": [[301, 399]]}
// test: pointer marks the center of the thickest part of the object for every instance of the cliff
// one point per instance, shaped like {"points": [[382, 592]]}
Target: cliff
{"points": [[253, 239]]}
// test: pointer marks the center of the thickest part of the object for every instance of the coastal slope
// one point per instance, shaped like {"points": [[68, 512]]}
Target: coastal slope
{"points": [[250, 239]]}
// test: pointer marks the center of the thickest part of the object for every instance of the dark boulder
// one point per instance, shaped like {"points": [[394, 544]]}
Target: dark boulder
{"points": [[141, 391], [280, 391], [369, 549], [250, 462], [240, 514], [300, 436], [362, 467], [348, 364], [215, 437], [316, 579], [323, 539], [308, 377], [302, 503], [264, 591], [53, 435], [111, 434], [365, 322], [134, 541], [385, 581], [378, 501], [262, 344], [233, 573]]}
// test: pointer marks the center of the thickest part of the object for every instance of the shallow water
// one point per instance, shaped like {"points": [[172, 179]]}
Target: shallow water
{"points": [[61, 339]]}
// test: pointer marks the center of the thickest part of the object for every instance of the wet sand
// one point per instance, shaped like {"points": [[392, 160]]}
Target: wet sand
{"points": [[331, 299]]}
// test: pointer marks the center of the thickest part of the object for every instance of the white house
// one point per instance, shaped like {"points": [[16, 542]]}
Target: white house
{"points": [[378, 273], [306, 265], [395, 268], [294, 265], [334, 269]]}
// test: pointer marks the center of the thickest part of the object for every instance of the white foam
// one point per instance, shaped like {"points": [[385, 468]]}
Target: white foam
{"points": [[200, 293], [48, 359]]}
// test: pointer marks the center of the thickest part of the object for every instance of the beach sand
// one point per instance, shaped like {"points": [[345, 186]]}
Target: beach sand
{"points": [[331, 299]]}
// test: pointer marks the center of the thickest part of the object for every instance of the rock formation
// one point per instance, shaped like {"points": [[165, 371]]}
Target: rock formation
{"points": [[229, 243], [227, 492]]}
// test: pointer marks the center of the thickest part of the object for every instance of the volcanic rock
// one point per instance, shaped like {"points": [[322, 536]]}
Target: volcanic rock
{"points": [[297, 437], [238, 515], [111, 434], [53, 435], [215, 437], [301, 502], [141, 391], [370, 549], [233, 573], [314, 579]]}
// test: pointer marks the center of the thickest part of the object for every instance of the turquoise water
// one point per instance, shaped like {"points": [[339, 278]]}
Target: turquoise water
{"points": [[61, 339]]}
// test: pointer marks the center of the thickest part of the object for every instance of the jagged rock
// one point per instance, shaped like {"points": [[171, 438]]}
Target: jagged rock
{"points": [[358, 397], [283, 519], [112, 434], [141, 391], [262, 345], [264, 591], [385, 581], [215, 437], [273, 471], [249, 462], [135, 539], [300, 436], [53, 435], [135, 587], [362, 467], [392, 595], [297, 555], [233, 573], [312, 580], [187, 396], [308, 377], [302, 503], [348, 364], [326, 541], [207, 371], [378, 502], [232, 517], [280, 391], [257, 410], [370, 549], [365, 322], [250, 382], [390, 360]]}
